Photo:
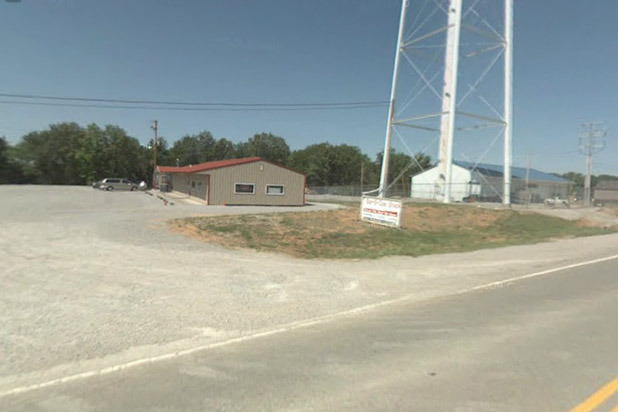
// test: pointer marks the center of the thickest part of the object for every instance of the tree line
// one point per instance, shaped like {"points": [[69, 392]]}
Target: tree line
{"points": [[69, 154], [579, 180]]}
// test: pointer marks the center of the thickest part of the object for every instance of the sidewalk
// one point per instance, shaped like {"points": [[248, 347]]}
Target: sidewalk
{"points": [[179, 198]]}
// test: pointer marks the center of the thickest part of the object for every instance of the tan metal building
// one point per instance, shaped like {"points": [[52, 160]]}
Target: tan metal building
{"points": [[247, 181], [606, 191]]}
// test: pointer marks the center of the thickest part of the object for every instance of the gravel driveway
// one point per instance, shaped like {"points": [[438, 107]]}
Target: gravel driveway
{"points": [[92, 279]]}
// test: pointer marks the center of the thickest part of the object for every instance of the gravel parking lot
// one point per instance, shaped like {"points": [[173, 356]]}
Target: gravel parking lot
{"points": [[92, 279]]}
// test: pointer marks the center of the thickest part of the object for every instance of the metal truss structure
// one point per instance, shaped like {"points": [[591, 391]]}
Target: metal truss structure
{"points": [[440, 38], [591, 141]]}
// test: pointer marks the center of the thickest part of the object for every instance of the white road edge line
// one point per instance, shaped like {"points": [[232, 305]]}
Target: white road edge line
{"points": [[285, 328]]}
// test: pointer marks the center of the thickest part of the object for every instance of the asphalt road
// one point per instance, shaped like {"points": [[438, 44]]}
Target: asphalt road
{"points": [[544, 343]]}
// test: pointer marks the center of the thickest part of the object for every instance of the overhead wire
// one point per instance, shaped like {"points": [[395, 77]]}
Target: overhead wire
{"points": [[204, 109], [189, 103]]}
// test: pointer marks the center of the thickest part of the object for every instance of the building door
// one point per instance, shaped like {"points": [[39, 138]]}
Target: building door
{"points": [[199, 186]]}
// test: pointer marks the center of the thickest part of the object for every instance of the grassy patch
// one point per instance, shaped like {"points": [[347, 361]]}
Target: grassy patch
{"points": [[427, 229]]}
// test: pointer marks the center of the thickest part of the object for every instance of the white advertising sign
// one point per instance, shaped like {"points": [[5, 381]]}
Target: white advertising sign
{"points": [[381, 211]]}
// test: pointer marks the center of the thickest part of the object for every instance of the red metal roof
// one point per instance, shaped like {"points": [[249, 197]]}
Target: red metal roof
{"points": [[213, 165], [168, 169], [207, 166]]}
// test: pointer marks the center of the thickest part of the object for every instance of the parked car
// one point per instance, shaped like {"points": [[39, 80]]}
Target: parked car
{"points": [[556, 201], [115, 183]]}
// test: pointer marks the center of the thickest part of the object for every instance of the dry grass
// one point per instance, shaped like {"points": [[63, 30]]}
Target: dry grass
{"points": [[426, 229]]}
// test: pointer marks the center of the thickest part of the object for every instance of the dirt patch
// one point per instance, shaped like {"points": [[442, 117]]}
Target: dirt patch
{"points": [[437, 218], [604, 217], [610, 210]]}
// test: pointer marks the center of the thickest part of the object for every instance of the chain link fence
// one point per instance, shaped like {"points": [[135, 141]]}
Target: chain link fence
{"points": [[489, 191], [397, 190]]}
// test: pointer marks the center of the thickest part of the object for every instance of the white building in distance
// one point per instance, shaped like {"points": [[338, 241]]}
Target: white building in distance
{"points": [[485, 183]]}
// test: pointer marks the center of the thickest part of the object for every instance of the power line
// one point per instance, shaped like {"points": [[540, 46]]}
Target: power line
{"points": [[212, 109], [569, 153], [185, 103]]}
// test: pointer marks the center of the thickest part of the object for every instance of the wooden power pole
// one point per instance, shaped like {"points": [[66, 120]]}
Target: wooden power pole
{"points": [[362, 177], [155, 127]]}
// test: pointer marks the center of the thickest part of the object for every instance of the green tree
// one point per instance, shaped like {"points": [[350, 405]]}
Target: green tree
{"points": [[267, 146], [401, 164], [12, 168], [69, 154], [224, 149], [606, 177], [93, 154], [18, 168], [54, 153], [5, 169], [328, 165], [574, 177], [193, 149], [124, 154], [579, 180], [313, 161], [346, 163]]}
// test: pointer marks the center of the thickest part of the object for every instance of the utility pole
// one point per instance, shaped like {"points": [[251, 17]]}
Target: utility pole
{"points": [[527, 170], [591, 141], [528, 195], [362, 176], [155, 127]]}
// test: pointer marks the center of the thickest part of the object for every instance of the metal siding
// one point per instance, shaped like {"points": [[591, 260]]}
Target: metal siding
{"points": [[610, 185], [201, 185], [423, 184], [516, 172], [180, 182], [222, 185], [606, 195]]}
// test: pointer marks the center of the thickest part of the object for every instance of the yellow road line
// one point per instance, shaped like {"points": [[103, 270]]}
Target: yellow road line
{"points": [[615, 409], [598, 397]]}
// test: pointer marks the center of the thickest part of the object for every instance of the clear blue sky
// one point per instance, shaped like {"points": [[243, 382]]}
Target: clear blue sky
{"points": [[566, 68]]}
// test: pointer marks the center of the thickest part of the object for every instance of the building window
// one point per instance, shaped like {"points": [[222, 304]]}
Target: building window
{"points": [[274, 190], [244, 188]]}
